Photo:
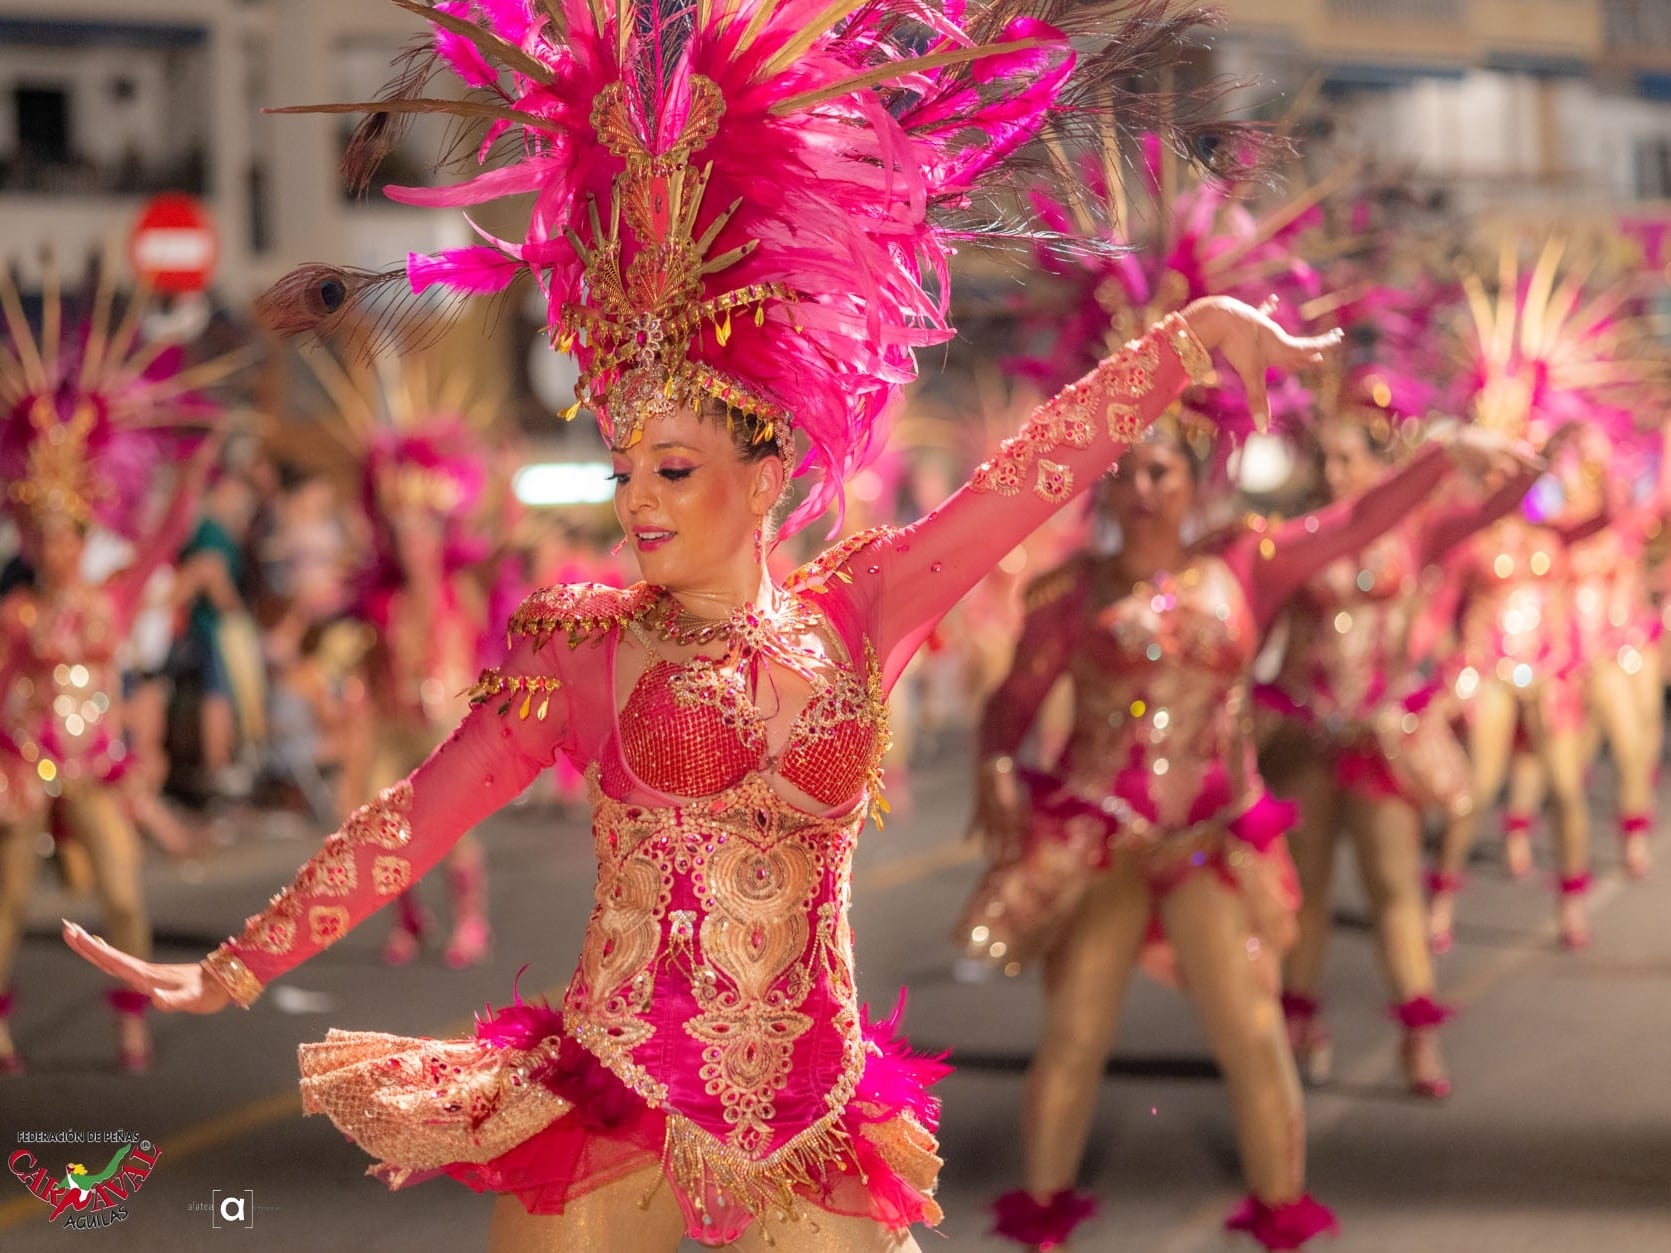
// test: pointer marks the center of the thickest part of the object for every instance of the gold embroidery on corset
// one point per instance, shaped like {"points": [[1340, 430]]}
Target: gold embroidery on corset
{"points": [[752, 953], [609, 998], [877, 699], [756, 900]]}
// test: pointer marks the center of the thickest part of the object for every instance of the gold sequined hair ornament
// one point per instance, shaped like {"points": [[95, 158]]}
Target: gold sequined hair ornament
{"points": [[754, 200], [91, 405]]}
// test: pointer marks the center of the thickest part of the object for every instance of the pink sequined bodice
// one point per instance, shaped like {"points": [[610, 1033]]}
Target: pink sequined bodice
{"points": [[1161, 698], [692, 730], [1610, 602], [1518, 623], [1349, 632], [60, 695]]}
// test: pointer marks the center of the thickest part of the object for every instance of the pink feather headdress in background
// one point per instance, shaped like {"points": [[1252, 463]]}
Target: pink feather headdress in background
{"points": [[1170, 245], [418, 443], [1554, 346], [753, 201], [91, 406]]}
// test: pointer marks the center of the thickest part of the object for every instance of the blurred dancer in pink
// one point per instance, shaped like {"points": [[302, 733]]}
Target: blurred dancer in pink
{"points": [[90, 413], [1372, 755], [1157, 795], [1546, 355], [1618, 634]]}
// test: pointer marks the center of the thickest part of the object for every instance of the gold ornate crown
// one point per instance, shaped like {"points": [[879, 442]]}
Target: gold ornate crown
{"points": [[634, 333], [420, 487], [58, 478]]}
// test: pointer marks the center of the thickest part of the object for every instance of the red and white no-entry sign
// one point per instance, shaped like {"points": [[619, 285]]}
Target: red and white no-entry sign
{"points": [[173, 244]]}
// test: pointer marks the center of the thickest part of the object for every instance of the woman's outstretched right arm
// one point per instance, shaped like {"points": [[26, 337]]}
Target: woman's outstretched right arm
{"points": [[517, 727]]}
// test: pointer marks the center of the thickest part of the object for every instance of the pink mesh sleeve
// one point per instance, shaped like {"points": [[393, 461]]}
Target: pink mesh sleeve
{"points": [[898, 583], [1041, 657], [515, 730], [1444, 527], [1272, 561]]}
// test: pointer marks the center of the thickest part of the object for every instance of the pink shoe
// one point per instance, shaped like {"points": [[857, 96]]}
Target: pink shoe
{"points": [[412, 923], [1424, 1068], [1041, 1225], [470, 945], [1308, 1036], [11, 1063], [1633, 837], [1290, 1225], [1573, 921], [1441, 910], [133, 1039]]}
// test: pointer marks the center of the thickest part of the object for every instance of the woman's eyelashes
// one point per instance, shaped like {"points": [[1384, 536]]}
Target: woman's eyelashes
{"points": [[672, 474]]}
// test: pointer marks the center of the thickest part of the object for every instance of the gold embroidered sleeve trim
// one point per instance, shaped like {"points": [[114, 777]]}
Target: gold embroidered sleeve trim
{"points": [[1109, 396], [816, 574], [383, 824]]}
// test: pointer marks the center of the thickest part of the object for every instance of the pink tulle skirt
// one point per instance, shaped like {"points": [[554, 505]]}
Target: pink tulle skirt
{"points": [[521, 1069]]}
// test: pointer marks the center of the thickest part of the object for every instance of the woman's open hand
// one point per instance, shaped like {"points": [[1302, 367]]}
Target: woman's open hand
{"points": [[1252, 343], [1000, 820], [1490, 457], [178, 988]]}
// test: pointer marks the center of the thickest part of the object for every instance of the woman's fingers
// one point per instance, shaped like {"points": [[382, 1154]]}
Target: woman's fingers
{"points": [[124, 966]]}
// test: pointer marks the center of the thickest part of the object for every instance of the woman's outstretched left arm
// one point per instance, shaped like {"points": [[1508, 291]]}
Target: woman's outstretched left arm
{"points": [[901, 581]]}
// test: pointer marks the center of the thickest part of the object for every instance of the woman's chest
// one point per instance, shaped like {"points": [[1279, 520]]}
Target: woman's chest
{"points": [[1197, 620], [695, 727], [1384, 571]]}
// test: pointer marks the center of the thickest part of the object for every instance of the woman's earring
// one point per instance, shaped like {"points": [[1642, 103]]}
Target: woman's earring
{"points": [[619, 545], [759, 545]]}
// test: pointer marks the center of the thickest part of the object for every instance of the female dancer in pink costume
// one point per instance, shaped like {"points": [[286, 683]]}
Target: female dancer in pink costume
{"points": [[1536, 348], [1158, 787], [1618, 644], [88, 413], [1375, 755], [730, 728], [425, 607]]}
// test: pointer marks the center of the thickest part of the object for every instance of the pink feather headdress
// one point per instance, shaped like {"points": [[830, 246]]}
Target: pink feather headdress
{"points": [[88, 410], [753, 201], [1169, 247], [1552, 346], [416, 442]]}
